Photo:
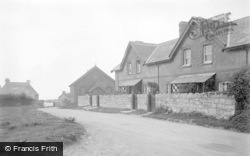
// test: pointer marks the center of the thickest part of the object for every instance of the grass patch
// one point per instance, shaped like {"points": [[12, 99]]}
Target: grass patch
{"points": [[238, 123], [26, 123], [108, 110], [137, 112]]}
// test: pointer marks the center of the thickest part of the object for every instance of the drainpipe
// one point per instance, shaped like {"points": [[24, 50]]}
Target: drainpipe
{"points": [[158, 76], [247, 53]]}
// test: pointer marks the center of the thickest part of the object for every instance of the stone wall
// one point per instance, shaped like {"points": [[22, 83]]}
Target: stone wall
{"points": [[116, 101], [220, 106], [142, 101], [83, 100]]}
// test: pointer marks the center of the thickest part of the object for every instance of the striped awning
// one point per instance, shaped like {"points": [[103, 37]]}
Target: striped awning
{"points": [[198, 78]]}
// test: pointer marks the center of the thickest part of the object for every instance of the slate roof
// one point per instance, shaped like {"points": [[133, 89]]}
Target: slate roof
{"points": [[116, 68], [88, 72], [162, 51], [239, 36], [241, 33], [142, 49], [17, 88]]}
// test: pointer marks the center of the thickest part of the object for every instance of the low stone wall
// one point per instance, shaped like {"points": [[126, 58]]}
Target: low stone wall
{"points": [[142, 101], [83, 100], [116, 101], [220, 106]]}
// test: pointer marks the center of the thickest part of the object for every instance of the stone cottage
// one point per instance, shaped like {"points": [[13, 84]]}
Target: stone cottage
{"points": [[19, 88]]}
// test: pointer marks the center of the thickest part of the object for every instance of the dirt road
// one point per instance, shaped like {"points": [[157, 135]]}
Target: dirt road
{"points": [[125, 135]]}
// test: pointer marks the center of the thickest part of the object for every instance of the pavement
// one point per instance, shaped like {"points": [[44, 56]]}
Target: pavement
{"points": [[131, 135]]}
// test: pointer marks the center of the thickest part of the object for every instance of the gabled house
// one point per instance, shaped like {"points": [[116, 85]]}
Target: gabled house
{"points": [[19, 88], [93, 82], [204, 57], [64, 97], [130, 74]]}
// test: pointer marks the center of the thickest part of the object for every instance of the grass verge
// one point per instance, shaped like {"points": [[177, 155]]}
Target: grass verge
{"points": [[108, 110], [242, 124], [27, 124]]}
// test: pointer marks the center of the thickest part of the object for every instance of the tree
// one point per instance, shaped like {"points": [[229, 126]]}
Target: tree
{"points": [[240, 88]]}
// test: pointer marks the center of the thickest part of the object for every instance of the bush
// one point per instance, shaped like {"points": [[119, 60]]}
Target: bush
{"points": [[15, 100], [240, 88], [241, 121]]}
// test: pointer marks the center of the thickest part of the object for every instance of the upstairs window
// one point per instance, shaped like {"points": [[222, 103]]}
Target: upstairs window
{"points": [[129, 68], [138, 67], [187, 57], [207, 54]]}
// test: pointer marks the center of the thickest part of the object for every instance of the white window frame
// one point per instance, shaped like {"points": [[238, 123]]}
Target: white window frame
{"points": [[138, 66], [187, 57], [129, 68], [207, 53], [223, 86]]}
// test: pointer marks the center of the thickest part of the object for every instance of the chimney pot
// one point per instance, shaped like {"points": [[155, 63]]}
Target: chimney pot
{"points": [[63, 92], [7, 80], [28, 81]]}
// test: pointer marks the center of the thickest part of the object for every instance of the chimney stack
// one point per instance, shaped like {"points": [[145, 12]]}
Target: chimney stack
{"points": [[182, 26], [28, 81], [63, 92], [7, 80]]}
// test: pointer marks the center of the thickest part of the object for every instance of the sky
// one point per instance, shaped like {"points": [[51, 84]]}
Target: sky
{"points": [[54, 42]]}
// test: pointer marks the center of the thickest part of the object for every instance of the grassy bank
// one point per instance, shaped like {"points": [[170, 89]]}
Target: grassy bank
{"points": [[108, 110], [26, 123], [239, 123]]}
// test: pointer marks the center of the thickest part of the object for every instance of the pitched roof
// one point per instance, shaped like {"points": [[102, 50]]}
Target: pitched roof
{"points": [[116, 68], [143, 50], [239, 36], [162, 51], [17, 88], [241, 33], [88, 72]]}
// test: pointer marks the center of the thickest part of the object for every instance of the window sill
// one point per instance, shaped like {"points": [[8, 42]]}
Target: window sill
{"points": [[207, 63], [187, 66]]}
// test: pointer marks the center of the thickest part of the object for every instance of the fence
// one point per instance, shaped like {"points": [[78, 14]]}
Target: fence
{"points": [[220, 106]]}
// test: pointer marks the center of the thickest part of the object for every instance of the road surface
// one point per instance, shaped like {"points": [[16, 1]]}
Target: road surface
{"points": [[130, 135]]}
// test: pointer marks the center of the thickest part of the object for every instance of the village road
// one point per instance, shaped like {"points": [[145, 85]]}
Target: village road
{"points": [[130, 135]]}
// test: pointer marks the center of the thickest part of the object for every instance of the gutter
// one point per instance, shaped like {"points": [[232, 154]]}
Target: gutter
{"points": [[236, 47]]}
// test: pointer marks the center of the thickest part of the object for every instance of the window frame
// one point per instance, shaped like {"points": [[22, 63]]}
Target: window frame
{"points": [[205, 54], [138, 62], [129, 68], [186, 57]]}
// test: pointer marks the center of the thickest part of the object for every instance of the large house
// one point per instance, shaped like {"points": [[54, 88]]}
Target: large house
{"points": [[19, 88], [204, 58], [93, 82]]}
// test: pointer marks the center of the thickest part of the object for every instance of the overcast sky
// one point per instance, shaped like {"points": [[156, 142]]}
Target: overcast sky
{"points": [[52, 43]]}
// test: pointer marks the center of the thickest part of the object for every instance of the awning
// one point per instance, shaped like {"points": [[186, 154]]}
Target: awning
{"points": [[198, 78], [129, 82]]}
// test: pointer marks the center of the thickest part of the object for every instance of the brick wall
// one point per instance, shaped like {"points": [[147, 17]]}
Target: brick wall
{"points": [[142, 101], [116, 101], [220, 106], [83, 100]]}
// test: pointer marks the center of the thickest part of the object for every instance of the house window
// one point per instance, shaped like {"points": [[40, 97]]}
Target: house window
{"points": [[138, 67], [224, 86], [187, 57], [207, 54], [129, 68]]}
